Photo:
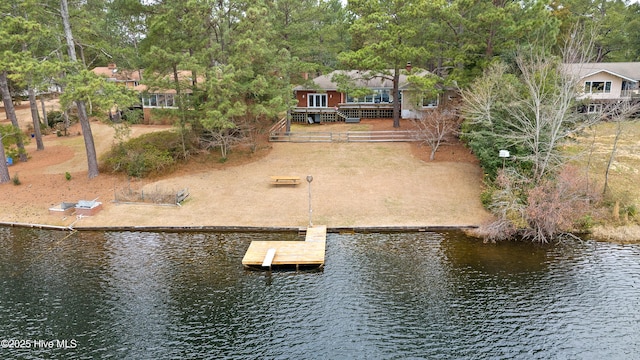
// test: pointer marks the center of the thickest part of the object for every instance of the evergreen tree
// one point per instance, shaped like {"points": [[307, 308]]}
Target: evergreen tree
{"points": [[92, 160], [385, 37], [464, 37], [252, 86], [613, 23], [313, 32], [15, 32]]}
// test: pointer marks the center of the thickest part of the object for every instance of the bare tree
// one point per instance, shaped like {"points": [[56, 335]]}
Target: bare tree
{"points": [[433, 128], [224, 138], [542, 119], [479, 102], [618, 113]]}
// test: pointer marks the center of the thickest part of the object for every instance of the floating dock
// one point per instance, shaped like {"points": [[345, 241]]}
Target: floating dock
{"points": [[307, 253]]}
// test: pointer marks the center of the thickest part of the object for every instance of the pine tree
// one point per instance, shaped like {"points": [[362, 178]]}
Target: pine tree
{"points": [[385, 37], [92, 159]]}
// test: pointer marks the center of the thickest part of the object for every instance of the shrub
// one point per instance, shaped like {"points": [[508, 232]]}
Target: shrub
{"points": [[146, 155], [587, 222], [539, 212], [55, 117], [558, 205], [133, 116], [16, 180], [67, 176], [8, 136]]}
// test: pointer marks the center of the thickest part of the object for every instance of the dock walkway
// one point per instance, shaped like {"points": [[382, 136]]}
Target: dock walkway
{"points": [[308, 253]]}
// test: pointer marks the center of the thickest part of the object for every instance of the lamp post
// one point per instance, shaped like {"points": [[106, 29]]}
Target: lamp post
{"points": [[309, 180]]}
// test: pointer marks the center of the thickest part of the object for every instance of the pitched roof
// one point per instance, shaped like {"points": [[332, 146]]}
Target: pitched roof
{"points": [[626, 70], [364, 79], [116, 74]]}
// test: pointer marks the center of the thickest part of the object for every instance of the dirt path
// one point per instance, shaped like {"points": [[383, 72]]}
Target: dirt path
{"points": [[354, 185]]}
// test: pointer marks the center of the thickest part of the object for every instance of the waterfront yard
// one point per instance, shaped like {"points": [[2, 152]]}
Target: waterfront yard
{"points": [[592, 150]]}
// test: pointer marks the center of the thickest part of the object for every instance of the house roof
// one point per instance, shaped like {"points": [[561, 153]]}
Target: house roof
{"points": [[113, 73], [626, 70], [119, 75], [364, 79]]}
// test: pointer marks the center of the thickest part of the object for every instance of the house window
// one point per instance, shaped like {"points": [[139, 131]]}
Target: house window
{"points": [[170, 101], [597, 87], [594, 108], [378, 96], [159, 100], [430, 102], [317, 100]]}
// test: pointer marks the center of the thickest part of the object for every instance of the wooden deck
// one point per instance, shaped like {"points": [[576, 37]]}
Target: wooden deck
{"points": [[308, 253]]}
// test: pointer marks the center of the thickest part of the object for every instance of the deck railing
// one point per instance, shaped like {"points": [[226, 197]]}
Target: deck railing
{"points": [[345, 137], [634, 93], [278, 127], [341, 112]]}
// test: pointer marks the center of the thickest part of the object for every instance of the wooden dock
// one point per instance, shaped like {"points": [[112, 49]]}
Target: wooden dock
{"points": [[308, 253]]}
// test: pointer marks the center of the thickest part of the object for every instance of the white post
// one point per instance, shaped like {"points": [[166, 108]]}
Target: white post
{"points": [[309, 180]]}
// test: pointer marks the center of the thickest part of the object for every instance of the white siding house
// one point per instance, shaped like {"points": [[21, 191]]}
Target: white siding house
{"points": [[607, 81]]}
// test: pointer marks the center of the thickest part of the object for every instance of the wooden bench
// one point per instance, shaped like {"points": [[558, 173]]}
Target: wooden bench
{"points": [[285, 180]]}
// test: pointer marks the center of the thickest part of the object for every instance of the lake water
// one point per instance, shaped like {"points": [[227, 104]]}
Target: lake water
{"points": [[125, 295]]}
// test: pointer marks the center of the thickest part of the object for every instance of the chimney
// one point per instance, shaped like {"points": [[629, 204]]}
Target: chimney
{"points": [[408, 66], [111, 66]]}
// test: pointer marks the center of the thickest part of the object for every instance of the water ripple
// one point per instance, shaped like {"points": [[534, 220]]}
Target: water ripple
{"points": [[380, 296]]}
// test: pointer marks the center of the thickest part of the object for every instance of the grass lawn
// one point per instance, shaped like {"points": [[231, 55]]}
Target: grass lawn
{"points": [[593, 149]]}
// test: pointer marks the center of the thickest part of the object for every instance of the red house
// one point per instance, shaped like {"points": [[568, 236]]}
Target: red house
{"points": [[372, 98]]}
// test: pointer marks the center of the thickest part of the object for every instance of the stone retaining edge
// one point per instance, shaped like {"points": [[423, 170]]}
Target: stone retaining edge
{"points": [[337, 229]]}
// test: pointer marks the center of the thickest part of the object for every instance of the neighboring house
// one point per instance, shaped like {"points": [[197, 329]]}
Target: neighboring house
{"points": [[602, 83], [128, 78], [323, 102], [155, 98], [150, 98], [51, 88]]}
